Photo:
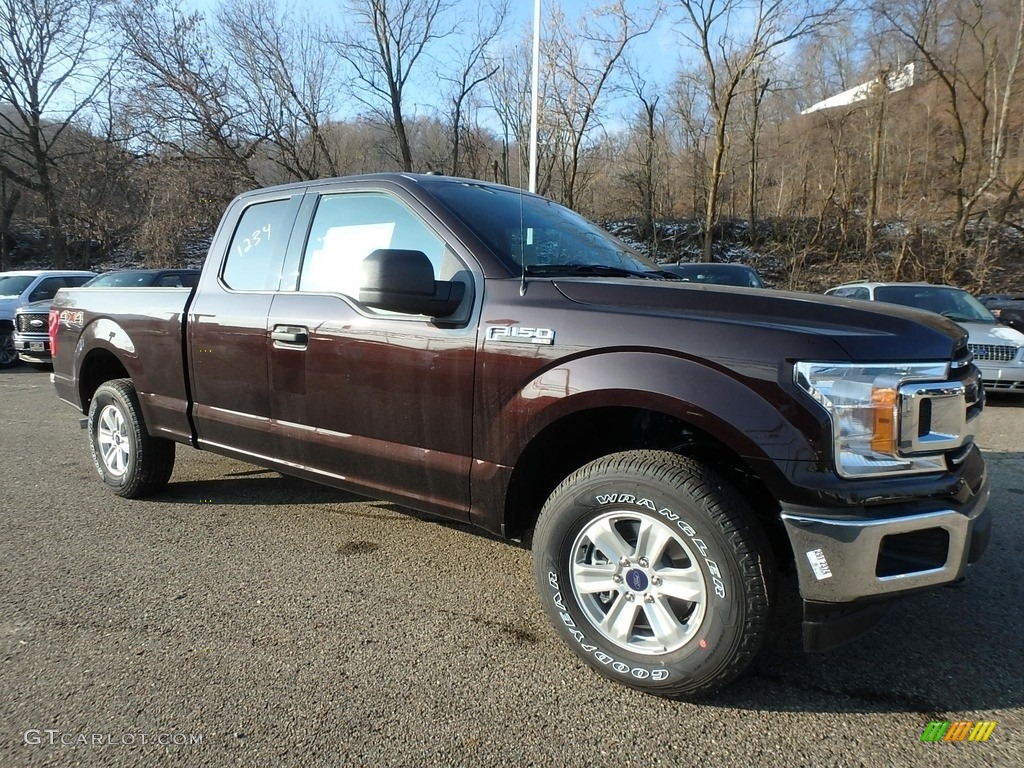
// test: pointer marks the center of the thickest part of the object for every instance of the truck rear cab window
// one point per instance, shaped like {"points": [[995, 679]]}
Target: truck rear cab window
{"points": [[254, 258], [349, 227]]}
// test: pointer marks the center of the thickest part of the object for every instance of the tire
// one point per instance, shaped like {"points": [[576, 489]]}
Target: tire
{"points": [[129, 460], [677, 601], [8, 354]]}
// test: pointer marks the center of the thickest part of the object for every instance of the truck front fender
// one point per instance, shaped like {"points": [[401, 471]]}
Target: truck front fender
{"points": [[753, 416]]}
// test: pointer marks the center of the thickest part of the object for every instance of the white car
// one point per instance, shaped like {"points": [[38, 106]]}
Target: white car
{"points": [[998, 349]]}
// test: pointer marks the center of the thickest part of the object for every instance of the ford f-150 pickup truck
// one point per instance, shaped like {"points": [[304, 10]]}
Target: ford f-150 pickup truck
{"points": [[487, 355]]}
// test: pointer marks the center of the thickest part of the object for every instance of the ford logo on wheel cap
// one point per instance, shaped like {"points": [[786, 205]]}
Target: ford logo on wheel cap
{"points": [[637, 580]]}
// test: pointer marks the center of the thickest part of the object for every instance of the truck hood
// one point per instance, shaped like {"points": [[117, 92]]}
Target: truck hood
{"points": [[37, 306], [864, 330], [7, 307]]}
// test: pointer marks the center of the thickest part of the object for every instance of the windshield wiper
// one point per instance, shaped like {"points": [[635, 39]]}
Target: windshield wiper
{"points": [[956, 317], [601, 270]]}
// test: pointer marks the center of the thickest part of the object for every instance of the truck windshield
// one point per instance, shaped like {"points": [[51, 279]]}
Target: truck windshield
{"points": [[536, 235], [14, 285]]}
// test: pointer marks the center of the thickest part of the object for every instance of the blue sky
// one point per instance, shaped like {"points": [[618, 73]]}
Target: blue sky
{"points": [[656, 52]]}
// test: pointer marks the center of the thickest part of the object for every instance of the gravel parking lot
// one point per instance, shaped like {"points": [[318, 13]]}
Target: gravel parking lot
{"points": [[245, 618]]}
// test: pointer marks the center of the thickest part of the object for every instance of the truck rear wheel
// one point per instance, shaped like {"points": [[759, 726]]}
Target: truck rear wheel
{"points": [[130, 461], [655, 572]]}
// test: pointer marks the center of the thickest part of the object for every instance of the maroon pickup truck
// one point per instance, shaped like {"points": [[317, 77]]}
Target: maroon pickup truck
{"points": [[489, 356]]}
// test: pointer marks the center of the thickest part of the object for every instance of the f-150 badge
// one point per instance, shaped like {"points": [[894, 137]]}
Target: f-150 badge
{"points": [[520, 335]]}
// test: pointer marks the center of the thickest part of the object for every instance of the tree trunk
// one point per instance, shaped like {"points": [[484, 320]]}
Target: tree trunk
{"points": [[752, 181], [6, 216], [876, 166], [55, 232], [456, 130], [647, 203], [714, 182], [404, 151]]}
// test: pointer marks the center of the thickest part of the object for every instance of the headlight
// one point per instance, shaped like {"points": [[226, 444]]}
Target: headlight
{"points": [[863, 402]]}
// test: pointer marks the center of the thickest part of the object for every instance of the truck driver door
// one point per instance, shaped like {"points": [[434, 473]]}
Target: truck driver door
{"points": [[375, 400]]}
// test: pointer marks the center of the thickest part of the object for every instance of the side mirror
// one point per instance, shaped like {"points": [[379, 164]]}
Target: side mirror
{"points": [[403, 281]]}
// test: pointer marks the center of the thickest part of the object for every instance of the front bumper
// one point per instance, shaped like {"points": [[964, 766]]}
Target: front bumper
{"points": [[32, 347], [1002, 376], [887, 551]]}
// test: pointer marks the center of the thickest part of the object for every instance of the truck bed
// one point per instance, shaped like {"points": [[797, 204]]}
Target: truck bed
{"points": [[136, 329]]}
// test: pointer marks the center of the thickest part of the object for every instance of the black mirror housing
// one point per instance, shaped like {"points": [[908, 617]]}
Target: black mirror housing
{"points": [[400, 280]]}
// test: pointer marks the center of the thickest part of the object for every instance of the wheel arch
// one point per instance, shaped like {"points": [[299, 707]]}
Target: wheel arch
{"points": [[99, 365], [104, 351], [743, 419], [582, 436]]}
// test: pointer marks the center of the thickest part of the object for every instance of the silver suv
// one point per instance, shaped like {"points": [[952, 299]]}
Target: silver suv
{"points": [[20, 288], [998, 349]]}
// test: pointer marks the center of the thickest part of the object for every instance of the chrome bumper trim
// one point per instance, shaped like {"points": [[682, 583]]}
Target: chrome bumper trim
{"points": [[836, 558]]}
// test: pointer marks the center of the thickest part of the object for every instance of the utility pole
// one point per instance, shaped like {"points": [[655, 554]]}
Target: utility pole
{"points": [[534, 97]]}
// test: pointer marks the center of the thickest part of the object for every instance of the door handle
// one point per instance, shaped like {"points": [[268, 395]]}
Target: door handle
{"points": [[292, 335]]}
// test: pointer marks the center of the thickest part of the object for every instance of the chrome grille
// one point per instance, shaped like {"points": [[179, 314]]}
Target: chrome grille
{"points": [[995, 352], [942, 416], [26, 319]]}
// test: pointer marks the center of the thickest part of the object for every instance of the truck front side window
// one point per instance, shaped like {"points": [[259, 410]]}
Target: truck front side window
{"points": [[349, 227]]}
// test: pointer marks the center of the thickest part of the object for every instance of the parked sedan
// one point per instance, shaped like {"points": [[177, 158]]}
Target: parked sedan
{"points": [[716, 274], [31, 332], [998, 349], [1008, 309], [146, 278]]}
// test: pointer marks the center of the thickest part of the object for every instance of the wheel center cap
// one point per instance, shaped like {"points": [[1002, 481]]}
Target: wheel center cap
{"points": [[636, 579]]}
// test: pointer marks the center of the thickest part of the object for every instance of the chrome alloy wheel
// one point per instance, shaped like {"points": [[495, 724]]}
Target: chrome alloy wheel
{"points": [[638, 582], [112, 440]]}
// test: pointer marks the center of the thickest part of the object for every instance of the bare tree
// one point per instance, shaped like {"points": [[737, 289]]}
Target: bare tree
{"points": [[57, 56], [385, 43], [728, 58], [959, 43], [475, 67], [645, 132], [185, 101], [880, 100], [582, 64], [287, 78], [758, 88], [691, 135]]}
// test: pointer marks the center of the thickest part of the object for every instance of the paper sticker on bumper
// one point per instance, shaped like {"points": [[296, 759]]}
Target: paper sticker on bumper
{"points": [[819, 564]]}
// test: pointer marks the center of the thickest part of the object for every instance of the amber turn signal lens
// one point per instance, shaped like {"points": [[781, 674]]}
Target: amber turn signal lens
{"points": [[883, 427]]}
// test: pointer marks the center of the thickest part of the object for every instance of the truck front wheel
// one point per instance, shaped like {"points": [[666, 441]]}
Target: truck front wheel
{"points": [[130, 461], [655, 572], [8, 354]]}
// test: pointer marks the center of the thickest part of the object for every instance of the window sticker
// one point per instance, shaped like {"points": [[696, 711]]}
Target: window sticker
{"points": [[336, 265]]}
